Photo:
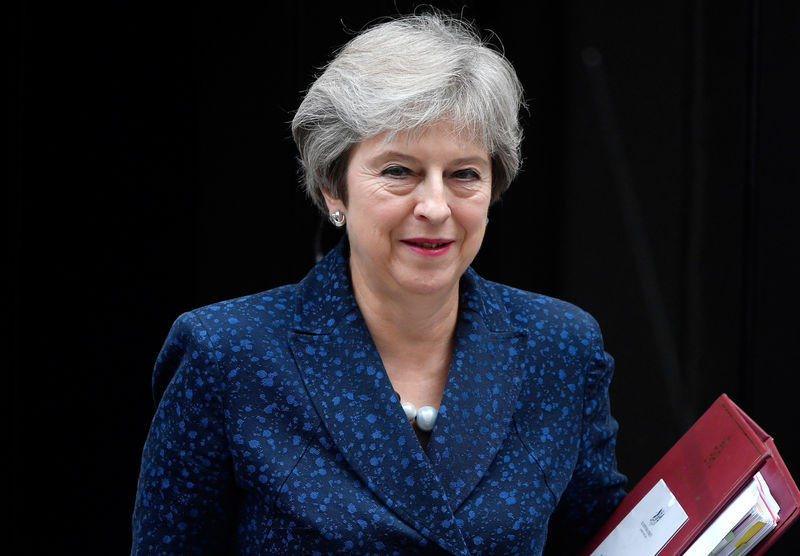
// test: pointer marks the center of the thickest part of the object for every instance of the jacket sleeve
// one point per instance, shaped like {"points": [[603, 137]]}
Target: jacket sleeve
{"points": [[596, 487], [184, 497]]}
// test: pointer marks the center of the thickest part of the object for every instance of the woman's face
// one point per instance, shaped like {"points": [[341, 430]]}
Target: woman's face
{"points": [[416, 211]]}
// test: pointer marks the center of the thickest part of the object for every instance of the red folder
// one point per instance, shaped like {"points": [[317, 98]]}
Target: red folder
{"points": [[707, 468]]}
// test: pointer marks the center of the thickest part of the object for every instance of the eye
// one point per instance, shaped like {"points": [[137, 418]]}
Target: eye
{"points": [[466, 174], [395, 171]]}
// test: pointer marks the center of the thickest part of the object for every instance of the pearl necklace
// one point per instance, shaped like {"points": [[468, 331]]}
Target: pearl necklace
{"points": [[424, 417]]}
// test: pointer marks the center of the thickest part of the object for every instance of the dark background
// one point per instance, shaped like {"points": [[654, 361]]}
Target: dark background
{"points": [[152, 171]]}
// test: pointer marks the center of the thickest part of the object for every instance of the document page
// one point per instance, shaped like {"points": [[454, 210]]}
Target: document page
{"points": [[742, 525], [647, 527]]}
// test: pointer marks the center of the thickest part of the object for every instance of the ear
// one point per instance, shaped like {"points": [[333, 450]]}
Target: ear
{"points": [[332, 202]]}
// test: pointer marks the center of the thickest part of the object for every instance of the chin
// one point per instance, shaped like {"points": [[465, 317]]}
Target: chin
{"points": [[429, 285]]}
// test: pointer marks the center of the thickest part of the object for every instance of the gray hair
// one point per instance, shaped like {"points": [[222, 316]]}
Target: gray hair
{"points": [[402, 75]]}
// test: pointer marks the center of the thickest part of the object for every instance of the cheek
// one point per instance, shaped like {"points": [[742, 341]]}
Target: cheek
{"points": [[473, 217], [371, 225], [384, 214]]}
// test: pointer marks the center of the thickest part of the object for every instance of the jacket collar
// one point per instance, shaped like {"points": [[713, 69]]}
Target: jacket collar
{"points": [[348, 385]]}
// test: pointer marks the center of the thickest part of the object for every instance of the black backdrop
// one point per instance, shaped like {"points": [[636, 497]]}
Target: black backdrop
{"points": [[151, 171]]}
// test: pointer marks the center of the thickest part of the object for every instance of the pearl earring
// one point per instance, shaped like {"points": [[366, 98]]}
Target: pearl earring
{"points": [[337, 218]]}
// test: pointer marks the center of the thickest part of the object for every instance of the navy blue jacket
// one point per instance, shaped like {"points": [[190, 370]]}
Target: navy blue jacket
{"points": [[277, 430]]}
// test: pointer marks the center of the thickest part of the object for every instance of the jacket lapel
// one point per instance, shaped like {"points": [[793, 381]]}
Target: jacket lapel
{"points": [[481, 392], [347, 384]]}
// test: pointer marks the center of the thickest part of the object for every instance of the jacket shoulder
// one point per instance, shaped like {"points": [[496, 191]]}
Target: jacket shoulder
{"points": [[266, 310], [213, 334], [534, 312]]}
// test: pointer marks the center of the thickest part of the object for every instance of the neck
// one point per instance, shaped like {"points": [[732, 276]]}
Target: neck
{"points": [[419, 318], [414, 336]]}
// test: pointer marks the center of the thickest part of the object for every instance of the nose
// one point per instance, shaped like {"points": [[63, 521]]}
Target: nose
{"points": [[432, 202]]}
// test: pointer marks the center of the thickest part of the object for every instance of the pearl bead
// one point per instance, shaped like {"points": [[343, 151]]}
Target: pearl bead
{"points": [[410, 409], [426, 417]]}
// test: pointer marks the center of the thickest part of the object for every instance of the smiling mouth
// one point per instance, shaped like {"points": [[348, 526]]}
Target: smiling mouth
{"points": [[427, 244]]}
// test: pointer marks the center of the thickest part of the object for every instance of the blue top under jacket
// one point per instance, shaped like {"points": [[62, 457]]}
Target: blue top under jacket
{"points": [[278, 432]]}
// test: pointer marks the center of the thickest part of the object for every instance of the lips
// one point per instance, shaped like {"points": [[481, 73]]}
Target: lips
{"points": [[429, 246], [428, 243]]}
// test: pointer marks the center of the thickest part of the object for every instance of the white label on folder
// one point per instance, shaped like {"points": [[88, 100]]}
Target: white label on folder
{"points": [[647, 527]]}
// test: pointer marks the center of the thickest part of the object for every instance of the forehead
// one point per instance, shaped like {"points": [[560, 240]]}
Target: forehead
{"points": [[440, 138]]}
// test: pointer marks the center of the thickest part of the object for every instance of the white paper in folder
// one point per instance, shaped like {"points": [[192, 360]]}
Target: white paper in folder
{"points": [[647, 527], [741, 525]]}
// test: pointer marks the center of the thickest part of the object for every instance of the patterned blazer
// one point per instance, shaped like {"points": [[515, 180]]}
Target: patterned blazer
{"points": [[278, 432]]}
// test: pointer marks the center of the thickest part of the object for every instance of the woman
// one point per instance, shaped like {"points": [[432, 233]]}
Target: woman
{"points": [[392, 402]]}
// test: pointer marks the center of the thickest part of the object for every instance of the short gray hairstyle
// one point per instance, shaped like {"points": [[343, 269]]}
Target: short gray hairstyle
{"points": [[406, 74]]}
